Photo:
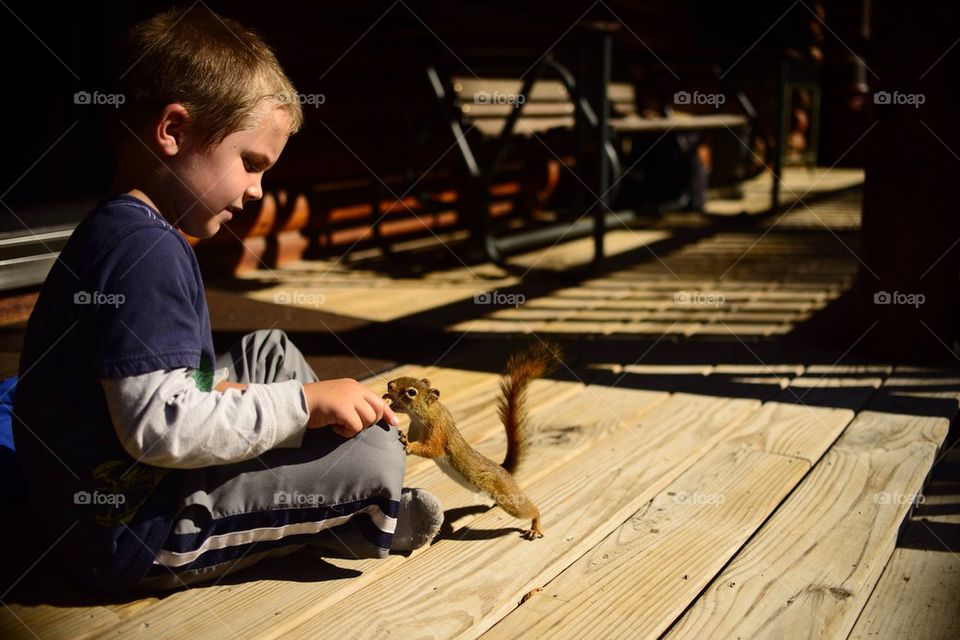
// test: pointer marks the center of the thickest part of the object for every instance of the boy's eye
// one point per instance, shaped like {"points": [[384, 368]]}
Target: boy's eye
{"points": [[249, 166]]}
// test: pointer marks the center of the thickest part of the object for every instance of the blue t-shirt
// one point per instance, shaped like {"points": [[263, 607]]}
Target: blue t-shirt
{"points": [[124, 298]]}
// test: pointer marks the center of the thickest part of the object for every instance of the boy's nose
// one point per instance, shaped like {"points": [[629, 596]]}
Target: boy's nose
{"points": [[254, 191]]}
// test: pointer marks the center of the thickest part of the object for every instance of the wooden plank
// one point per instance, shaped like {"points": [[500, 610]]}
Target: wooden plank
{"points": [[48, 621], [644, 574], [544, 90], [580, 251], [698, 122], [18, 620], [382, 305], [559, 304], [810, 569], [595, 491], [743, 329], [532, 110], [807, 417], [626, 327], [916, 597], [524, 126]]}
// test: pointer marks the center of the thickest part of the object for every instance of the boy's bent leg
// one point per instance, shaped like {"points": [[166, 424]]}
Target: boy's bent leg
{"points": [[339, 495], [266, 356]]}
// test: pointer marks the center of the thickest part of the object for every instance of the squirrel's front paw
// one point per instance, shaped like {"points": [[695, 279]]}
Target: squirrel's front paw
{"points": [[403, 440]]}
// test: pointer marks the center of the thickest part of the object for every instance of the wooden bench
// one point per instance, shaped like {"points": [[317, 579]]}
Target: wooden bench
{"points": [[489, 118], [488, 103]]}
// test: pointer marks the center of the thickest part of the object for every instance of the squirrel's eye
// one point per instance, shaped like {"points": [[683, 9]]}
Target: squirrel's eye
{"points": [[412, 392]]}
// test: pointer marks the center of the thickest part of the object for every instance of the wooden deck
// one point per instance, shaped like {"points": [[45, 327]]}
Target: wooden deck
{"points": [[702, 471]]}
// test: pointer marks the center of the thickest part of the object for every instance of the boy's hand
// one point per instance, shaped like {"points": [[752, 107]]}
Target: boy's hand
{"points": [[346, 405]]}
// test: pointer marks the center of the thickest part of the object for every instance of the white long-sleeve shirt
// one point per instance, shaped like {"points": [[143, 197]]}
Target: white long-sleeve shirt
{"points": [[164, 420]]}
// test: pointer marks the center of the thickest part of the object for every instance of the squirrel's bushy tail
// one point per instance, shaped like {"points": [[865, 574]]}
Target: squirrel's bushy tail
{"points": [[523, 367]]}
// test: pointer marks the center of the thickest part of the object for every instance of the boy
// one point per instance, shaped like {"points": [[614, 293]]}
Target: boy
{"points": [[150, 462]]}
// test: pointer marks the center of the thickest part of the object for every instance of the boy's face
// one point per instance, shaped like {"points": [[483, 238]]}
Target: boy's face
{"points": [[214, 184]]}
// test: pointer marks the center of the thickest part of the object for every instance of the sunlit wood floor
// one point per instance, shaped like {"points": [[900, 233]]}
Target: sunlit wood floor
{"points": [[699, 475]]}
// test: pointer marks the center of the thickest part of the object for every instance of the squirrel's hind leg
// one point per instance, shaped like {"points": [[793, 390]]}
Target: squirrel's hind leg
{"points": [[520, 506], [534, 531]]}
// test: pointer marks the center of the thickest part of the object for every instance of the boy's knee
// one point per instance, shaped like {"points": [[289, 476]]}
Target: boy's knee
{"points": [[384, 460], [275, 346], [269, 344], [371, 463], [271, 337]]}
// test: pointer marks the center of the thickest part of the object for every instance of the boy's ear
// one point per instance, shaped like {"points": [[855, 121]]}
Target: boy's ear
{"points": [[170, 129]]}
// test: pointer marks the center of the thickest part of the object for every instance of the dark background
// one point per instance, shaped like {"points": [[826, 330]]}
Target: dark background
{"points": [[362, 55]]}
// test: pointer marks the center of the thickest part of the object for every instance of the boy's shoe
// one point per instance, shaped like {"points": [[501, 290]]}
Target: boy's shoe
{"points": [[418, 521]]}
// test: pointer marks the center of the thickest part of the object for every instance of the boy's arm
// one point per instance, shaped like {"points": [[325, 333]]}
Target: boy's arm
{"points": [[163, 419], [344, 405]]}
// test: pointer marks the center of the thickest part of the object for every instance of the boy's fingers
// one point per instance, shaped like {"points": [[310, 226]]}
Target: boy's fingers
{"points": [[350, 425], [375, 401], [368, 415], [383, 409], [391, 416]]}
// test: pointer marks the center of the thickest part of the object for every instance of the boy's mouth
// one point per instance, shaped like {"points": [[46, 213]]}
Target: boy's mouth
{"points": [[231, 211]]}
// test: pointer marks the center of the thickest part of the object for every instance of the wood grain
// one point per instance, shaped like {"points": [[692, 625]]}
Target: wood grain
{"points": [[645, 574], [810, 569], [916, 597], [603, 486]]}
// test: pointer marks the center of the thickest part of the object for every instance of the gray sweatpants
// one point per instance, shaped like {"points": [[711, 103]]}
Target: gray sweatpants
{"points": [[340, 496]]}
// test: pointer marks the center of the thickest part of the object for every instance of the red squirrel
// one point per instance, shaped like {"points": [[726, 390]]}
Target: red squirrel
{"points": [[433, 433]]}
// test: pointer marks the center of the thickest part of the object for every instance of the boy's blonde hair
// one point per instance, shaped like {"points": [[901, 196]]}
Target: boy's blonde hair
{"points": [[216, 68]]}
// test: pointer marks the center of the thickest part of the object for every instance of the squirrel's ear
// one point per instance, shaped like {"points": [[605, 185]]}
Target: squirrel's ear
{"points": [[425, 381], [435, 393]]}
